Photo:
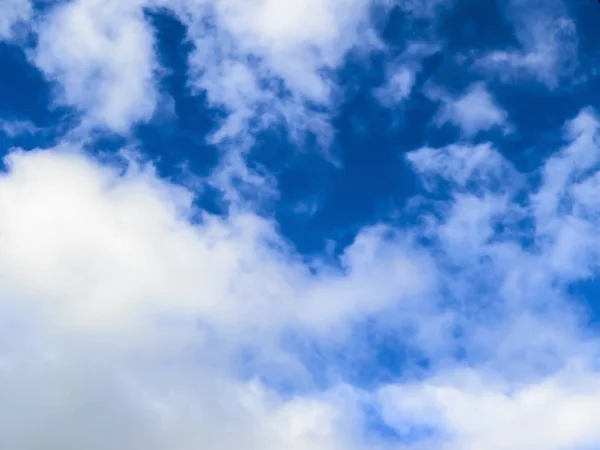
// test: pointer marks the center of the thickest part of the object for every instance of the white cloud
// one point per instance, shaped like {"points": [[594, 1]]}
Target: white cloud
{"points": [[472, 412], [401, 74], [111, 250], [258, 61], [531, 381], [134, 306], [474, 111], [13, 128], [81, 397], [549, 44], [397, 87], [266, 61], [133, 314], [109, 71], [478, 165]]}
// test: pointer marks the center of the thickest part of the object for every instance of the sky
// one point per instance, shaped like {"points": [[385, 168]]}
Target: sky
{"points": [[300, 224]]}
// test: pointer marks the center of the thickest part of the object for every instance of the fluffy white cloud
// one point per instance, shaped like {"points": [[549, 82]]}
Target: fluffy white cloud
{"points": [[469, 411], [108, 71], [474, 111], [126, 308], [106, 250], [266, 61], [261, 61], [66, 395], [532, 380], [118, 265]]}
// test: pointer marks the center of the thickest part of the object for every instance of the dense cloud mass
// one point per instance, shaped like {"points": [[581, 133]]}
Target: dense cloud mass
{"points": [[203, 245]]}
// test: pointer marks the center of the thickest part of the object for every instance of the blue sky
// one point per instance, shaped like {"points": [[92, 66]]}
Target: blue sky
{"points": [[311, 224]]}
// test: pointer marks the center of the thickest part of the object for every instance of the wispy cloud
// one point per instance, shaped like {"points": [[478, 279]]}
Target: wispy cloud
{"points": [[549, 44], [12, 128], [266, 62], [401, 74], [473, 111]]}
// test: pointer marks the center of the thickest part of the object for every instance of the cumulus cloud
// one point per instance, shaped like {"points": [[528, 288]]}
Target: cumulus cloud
{"points": [[136, 254], [118, 264], [109, 260], [555, 413], [259, 61], [531, 364], [72, 400], [474, 111], [266, 62], [108, 71]]}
